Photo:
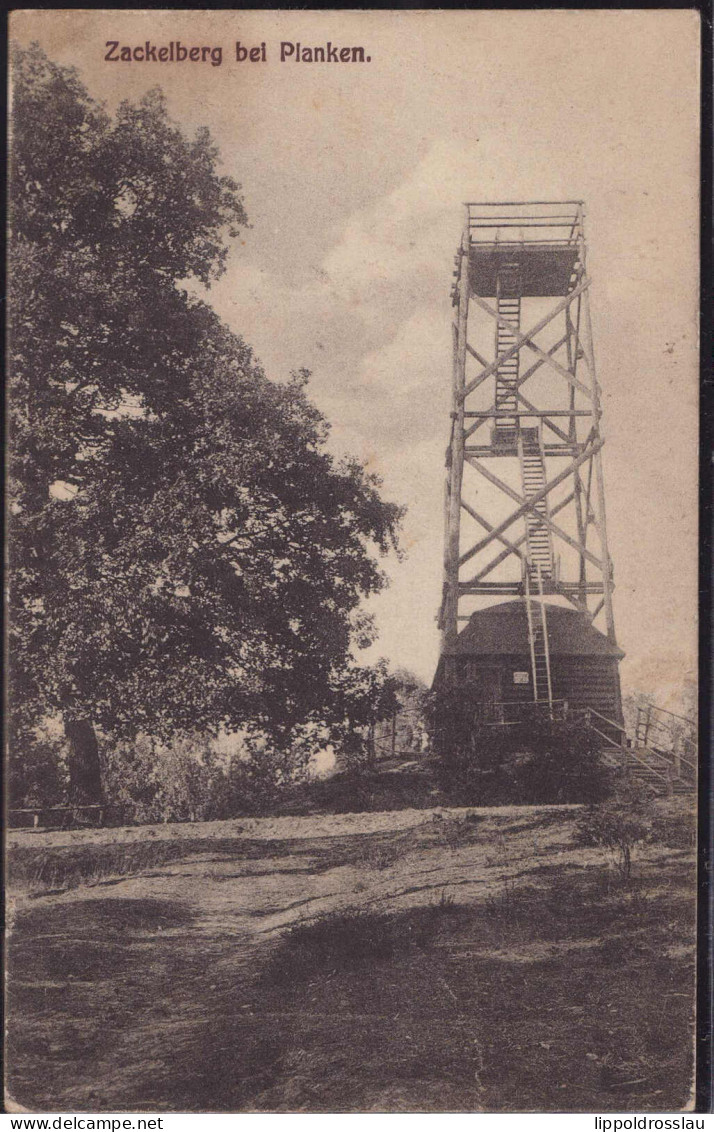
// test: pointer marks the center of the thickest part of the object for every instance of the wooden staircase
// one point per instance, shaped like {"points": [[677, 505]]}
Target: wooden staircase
{"points": [[538, 536], [650, 770], [508, 305], [655, 769]]}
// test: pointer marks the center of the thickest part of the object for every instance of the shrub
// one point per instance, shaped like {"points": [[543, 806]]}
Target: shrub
{"points": [[618, 826], [675, 823], [190, 780], [469, 756], [37, 769], [564, 763], [535, 761]]}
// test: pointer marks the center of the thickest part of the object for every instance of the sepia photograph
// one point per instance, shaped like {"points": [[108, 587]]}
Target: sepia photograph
{"points": [[352, 428]]}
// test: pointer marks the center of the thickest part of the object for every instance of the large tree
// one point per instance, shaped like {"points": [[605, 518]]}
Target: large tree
{"points": [[185, 553]]}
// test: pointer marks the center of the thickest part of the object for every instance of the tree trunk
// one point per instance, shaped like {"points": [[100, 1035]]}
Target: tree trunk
{"points": [[85, 780]]}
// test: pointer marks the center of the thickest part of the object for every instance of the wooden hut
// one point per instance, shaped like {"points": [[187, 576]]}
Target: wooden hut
{"points": [[491, 661]]}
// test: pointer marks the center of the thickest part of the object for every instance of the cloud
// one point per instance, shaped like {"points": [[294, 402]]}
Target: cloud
{"points": [[408, 234], [414, 356]]}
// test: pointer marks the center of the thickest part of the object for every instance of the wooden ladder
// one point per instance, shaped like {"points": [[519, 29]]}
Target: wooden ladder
{"points": [[538, 640]]}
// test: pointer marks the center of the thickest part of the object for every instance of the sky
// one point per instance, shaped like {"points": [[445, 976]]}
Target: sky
{"points": [[354, 176]]}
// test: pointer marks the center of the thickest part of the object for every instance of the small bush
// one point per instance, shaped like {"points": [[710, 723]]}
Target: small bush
{"points": [[564, 763], [38, 774], [508, 901], [618, 827], [452, 833], [447, 905], [344, 940], [534, 761], [381, 856]]}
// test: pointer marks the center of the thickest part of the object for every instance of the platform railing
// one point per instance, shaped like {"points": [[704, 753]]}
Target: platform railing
{"points": [[511, 713], [64, 816], [518, 222]]}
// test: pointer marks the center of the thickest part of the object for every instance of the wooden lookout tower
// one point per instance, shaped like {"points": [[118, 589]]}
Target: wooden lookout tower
{"points": [[525, 502]]}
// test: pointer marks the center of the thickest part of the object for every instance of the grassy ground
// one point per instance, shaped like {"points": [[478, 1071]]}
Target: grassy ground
{"points": [[477, 960]]}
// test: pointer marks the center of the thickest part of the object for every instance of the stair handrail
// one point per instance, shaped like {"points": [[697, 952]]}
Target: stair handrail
{"points": [[611, 722], [650, 769], [666, 711], [669, 760], [662, 725], [588, 712], [658, 754], [649, 719], [653, 750], [607, 738], [692, 766]]}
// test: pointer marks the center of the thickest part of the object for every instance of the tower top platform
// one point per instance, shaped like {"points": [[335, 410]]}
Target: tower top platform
{"points": [[541, 238]]}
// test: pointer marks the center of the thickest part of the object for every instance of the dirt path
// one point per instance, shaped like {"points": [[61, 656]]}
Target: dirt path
{"points": [[265, 874], [143, 991], [270, 828]]}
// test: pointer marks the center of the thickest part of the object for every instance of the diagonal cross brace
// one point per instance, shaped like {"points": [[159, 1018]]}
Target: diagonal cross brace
{"points": [[475, 354], [553, 427], [521, 381], [522, 339], [530, 505], [513, 547], [526, 340]]}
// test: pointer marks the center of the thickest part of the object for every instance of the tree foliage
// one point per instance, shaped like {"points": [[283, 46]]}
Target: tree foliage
{"points": [[190, 779], [186, 555]]}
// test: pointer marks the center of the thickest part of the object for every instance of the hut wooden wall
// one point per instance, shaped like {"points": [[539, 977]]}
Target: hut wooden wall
{"points": [[584, 681], [588, 681]]}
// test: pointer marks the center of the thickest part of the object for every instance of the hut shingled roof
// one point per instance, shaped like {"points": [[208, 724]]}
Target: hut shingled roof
{"points": [[502, 630]]}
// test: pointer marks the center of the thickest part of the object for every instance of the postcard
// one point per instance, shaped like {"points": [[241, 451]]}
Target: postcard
{"points": [[353, 477]]}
